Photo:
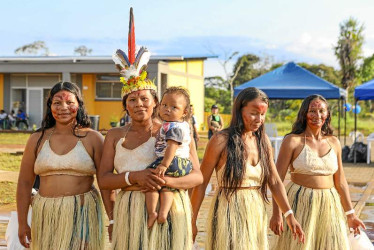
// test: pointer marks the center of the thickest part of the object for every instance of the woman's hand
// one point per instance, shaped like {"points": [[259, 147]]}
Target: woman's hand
{"points": [[355, 223], [24, 235], [147, 179], [295, 227], [276, 224]]}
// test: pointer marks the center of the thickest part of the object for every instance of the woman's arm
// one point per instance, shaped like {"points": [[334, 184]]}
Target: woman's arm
{"points": [[110, 181], [210, 122], [341, 186], [220, 122], [108, 196], [211, 159], [192, 179], [283, 161], [279, 192], [26, 180]]}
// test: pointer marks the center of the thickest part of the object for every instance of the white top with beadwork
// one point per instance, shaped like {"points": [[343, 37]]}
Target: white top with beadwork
{"points": [[308, 162], [76, 162], [252, 177], [134, 159]]}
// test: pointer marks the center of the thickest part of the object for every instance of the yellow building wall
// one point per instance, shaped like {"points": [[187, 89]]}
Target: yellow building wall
{"points": [[196, 88], [196, 67], [177, 80], [109, 111], [193, 81], [1, 91], [180, 66], [88, 92], [191, 78]]}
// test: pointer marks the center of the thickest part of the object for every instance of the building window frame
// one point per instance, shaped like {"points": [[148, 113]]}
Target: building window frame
{"points": [[100, 79]]}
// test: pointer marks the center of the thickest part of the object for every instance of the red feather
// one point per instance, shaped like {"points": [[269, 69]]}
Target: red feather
{"points": [[131, 44]]}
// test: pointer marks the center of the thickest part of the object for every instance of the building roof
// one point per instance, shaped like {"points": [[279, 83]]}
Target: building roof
{"points": [[92, 59]]}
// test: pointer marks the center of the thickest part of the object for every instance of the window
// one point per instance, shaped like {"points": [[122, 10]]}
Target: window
{"points": [[108, 87]]}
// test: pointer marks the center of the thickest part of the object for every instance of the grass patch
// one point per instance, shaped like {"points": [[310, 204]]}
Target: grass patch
{"points": [[7, 192], [10, 162], [13, 138]]}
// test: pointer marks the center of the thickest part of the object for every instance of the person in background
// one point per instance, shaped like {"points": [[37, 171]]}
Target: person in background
{"points": [[242, 157], [21, 118], [215, 122], [318, 191], [12, 119], [3, 116], [194, 127]]}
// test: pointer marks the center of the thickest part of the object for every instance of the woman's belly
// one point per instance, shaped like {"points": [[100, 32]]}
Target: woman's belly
{"points": [[313, 181], [64, 185]]}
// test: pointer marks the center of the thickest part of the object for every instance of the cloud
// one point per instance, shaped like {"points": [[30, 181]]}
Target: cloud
{"points": [[316, 49]]}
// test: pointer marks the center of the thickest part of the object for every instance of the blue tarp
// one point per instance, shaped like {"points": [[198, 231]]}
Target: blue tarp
{"points": [[291, 81], [365, 91]]}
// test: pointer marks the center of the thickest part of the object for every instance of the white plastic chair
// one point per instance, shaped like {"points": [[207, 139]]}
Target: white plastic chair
{"points": [[271, 129], [359, 136]]}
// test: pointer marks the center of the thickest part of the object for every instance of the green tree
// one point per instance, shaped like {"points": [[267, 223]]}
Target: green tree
{"points": [[33, 48], [246, 70], [217, 92], [367, 69], [326, 72], [348, 50], [82, 50]]}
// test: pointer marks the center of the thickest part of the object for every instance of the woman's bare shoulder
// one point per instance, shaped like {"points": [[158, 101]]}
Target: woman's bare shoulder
{"points": [[292, 140]]}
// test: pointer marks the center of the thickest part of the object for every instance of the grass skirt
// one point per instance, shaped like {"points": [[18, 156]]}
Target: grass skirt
{"points": [[130, 224], [238, 224], [68, 222], [321, 216]]}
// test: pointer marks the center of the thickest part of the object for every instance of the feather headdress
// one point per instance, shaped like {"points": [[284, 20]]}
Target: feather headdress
{"points": [[133, 68]]}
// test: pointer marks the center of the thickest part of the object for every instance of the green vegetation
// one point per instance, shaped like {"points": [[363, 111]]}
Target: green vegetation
{"points": [[10, 162], [13, 138], [7, 192]]}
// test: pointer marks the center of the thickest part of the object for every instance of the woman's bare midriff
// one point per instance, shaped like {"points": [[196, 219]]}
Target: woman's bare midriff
{"points": [[64, 185], [313, 181]]}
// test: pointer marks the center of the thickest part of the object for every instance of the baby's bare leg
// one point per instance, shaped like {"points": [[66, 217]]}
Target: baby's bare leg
{"points": [[166, 200], [151, 199]]}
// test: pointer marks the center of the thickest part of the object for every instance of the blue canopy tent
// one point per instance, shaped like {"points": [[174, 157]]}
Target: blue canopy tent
{"points": [[362, 93], [291, 81]]}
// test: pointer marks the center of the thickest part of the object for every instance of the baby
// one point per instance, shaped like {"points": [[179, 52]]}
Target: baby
{"points": [[172, 150]]}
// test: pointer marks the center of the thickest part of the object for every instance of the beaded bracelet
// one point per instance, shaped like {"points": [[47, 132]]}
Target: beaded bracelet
{"points": [[352, 211], [127, 179], [288, 213]]}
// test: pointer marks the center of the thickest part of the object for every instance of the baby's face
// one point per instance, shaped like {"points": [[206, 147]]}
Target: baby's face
{"points": [[173, 107]]}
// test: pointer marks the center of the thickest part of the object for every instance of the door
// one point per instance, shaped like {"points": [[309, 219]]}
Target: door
{"points": [[35, 106]]}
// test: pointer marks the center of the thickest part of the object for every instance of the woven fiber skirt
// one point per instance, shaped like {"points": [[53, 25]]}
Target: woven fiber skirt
{"points": [[321, 216], [67, 222], [240, 223], [130, 229]]}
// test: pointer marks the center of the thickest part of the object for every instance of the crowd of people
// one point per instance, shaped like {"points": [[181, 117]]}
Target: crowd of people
{"points": [[153, 161], [145, 168], [12, 120]]}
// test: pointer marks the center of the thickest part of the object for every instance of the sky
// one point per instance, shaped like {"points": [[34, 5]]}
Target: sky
{"points": [[282, 30]]}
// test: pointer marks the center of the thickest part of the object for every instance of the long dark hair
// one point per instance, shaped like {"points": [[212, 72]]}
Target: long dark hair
{"points": [[299, 125], [82, 120], [236, 149], [155, 98]]}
